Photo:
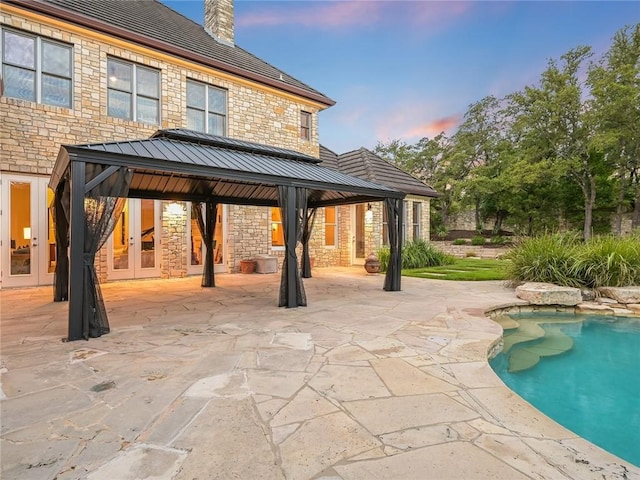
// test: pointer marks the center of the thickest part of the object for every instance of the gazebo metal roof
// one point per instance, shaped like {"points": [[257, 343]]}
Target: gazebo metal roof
{"points": [[180, 164]]}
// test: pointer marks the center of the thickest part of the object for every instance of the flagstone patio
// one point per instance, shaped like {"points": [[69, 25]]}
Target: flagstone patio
{"points": [[220, 383]]}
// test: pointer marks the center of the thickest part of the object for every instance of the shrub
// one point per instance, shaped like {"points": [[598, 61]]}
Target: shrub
{"points": [[416, 254], [383, 255], [442, 232], [459, 241], [478, 240], [565, 260], [498, 240], [608, 261], [547, 258]]}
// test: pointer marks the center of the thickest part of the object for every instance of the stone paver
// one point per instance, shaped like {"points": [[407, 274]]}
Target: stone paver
{"points": [[221, 383]]}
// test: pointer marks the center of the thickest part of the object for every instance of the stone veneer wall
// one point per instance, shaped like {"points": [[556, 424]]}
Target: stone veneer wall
{"points": [[174, 241], [327, 256], [32, 133], [248, 234]]}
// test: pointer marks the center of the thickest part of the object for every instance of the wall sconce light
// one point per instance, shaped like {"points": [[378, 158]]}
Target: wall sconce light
{"points": [[368, 215], [26, 233], [175, 208]]}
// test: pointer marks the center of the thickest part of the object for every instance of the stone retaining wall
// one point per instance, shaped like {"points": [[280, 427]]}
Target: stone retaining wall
{"points": [[462, 251]]}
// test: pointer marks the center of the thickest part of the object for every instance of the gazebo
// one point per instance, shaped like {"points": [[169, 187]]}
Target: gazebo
{"points": [[91, 181]]}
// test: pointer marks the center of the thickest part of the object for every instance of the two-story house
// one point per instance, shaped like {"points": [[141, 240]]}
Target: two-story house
{"points": [[83, 71]]}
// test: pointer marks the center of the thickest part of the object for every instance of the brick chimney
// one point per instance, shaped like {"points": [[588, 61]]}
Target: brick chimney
{"points": [[218, 19]]}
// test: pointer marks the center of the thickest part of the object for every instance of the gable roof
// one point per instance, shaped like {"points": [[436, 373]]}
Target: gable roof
{"points": [[153, 24], [363, 163], [179, 164]]}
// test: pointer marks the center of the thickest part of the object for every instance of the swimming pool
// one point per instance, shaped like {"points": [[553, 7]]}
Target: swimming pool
{"points": [[582, 371]]}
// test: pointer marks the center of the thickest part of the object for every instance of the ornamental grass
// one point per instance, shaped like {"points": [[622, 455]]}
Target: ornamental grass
{"points": [[564, 259]]}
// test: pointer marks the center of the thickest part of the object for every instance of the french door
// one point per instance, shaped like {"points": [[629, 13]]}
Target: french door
{"points": [[27, 231], [134, 246]]}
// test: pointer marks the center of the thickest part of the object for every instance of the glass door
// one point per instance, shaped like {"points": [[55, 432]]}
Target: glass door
{"points": [[358, 253], [27, 231], [196, 246], [134, 244]]}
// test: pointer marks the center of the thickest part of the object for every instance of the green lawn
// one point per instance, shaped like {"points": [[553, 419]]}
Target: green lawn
{"points": [[463, 269]]}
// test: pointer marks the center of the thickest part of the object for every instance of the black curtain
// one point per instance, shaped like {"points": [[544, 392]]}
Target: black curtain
{"points": [[298, 215], [394, 222], [102, 206], [60, 212], [309, 220], [207, 227]]}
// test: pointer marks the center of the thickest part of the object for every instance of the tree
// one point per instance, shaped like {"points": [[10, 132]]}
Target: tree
{"points": [[615, 88], [429, 160], [481, 143], [556, 127]]}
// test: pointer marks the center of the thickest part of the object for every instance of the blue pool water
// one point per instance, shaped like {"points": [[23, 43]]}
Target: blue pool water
{"points": [[593, 388]]}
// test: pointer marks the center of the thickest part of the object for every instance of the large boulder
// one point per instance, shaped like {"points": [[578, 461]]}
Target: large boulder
{"points": [[539, 293], [621, 294]]}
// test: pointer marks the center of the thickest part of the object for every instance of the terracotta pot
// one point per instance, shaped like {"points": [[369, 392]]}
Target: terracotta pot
{"points": [[247, 266], [372, 264]]}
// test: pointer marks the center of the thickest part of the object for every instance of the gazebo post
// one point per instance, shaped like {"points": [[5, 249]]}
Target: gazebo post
{"points": [[76, 247], [290, 246], [210, 208]]}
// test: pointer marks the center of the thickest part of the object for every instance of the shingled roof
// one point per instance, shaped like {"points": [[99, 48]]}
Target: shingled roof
{"points": [[367, 165], [153, 24]]}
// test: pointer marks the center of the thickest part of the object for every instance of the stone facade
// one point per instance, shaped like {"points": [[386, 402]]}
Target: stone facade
{"points": [[32, 133], [218, 19]]}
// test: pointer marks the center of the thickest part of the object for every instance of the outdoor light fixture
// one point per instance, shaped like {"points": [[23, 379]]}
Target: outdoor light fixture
{"points": [[26, 233], [175, 208], [368, 215]]}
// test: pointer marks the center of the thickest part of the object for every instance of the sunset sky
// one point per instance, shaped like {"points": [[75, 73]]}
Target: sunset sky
{"points": [[410, 69]]}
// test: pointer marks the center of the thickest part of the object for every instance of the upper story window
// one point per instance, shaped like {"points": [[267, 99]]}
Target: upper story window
{"points": [[133, 91], [417, 220], [36, 69], [305, 125], [206, 108], [330, 226]]}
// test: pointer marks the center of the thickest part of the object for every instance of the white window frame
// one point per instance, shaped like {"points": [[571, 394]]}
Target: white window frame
{"points": [[206, 109], [37, 69], [417, 220], [134, 91], [385, 226], [405, 221]]}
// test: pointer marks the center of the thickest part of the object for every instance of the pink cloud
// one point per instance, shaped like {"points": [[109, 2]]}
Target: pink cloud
{"points": [[330, 14], [431, 129], [335, 14], [409, 125]]}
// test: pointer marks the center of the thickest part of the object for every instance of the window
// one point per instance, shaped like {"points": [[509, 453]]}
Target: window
{"points": [[305, 125], [417, 216], [385, 226], [206, 108], [277, 234], [330, 227], [133, 92], [405, 217], [36, 69]]}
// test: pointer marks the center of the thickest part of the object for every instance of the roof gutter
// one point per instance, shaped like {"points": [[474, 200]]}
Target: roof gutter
{"points": [[96, 25]]}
